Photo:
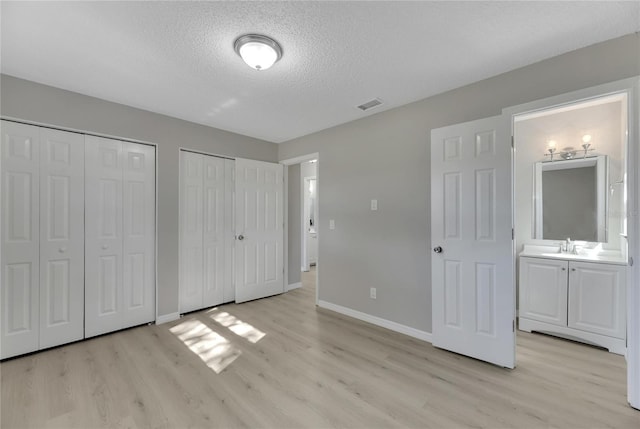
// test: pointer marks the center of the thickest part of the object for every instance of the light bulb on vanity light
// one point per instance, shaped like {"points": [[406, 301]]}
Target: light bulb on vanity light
{"points": [[586, 143], [551, 148]]}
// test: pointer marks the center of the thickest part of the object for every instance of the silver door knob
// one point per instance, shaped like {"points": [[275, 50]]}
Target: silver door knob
{"points": [[241, 237], [105, 247], [437, 249], [62, 249]]}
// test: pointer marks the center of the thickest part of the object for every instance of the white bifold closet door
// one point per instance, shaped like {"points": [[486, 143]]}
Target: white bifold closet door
{"points": [[120, 235], [206, 231], [42, 258]]}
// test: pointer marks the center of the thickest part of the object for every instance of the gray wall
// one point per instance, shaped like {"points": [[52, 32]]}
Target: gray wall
{"points": [[44, 104], [386, 156], [294, 227]]}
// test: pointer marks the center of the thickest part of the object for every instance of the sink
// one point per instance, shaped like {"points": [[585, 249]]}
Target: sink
{"points": [[590, 252]]}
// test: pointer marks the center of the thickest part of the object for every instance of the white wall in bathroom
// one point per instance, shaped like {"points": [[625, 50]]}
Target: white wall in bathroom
{"points": [[604, 123]]}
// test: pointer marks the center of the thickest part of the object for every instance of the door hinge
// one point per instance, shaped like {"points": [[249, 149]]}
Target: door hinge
{"points": [[631, 261], [513, 326], [513, 234], [512, 143]]}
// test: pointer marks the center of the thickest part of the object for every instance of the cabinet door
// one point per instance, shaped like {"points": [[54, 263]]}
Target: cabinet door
{"points": [[138, 234], [597, 298], [20, 239], [61, 237], [543, 290], [103, 236]]}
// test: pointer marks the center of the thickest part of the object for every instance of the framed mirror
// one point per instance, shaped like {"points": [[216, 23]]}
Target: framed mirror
{"points": [[570, 199]]}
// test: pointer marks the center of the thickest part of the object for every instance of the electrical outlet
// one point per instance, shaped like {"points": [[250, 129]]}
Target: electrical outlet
{"points": [[374, 205], [332, 224], [372, 293]]}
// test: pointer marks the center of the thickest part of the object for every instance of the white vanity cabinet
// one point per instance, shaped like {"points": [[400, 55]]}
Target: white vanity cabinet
{"points": [[578, 300], [543, 290], [597, 298]]}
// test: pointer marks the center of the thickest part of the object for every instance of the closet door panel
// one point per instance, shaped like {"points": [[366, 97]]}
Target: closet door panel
{"points": [[61, 237], [191, 230], [214, 231], [138, 233], [103, 236], [229, 221], [20, 239]]}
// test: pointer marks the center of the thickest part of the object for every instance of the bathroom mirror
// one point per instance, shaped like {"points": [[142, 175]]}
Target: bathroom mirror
{"points": [[570, 199]]}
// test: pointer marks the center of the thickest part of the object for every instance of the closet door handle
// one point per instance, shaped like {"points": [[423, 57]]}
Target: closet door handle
{"points": [[241, 237], [573, 269], [62, 249], [564, 269], [105, 247]]}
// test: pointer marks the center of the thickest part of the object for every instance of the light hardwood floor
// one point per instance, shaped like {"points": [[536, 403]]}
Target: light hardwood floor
{"points": [[280, 362]]}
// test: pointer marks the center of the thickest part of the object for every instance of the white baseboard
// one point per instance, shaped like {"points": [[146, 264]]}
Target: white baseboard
{"points": [[293, 286], [167, 318], [393, 326]]}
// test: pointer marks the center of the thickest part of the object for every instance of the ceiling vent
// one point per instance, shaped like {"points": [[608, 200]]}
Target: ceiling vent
{"points": [[370, 104]]}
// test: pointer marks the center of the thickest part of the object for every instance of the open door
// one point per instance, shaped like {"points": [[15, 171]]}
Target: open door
{"points": [[259, 229], [473, 289]]}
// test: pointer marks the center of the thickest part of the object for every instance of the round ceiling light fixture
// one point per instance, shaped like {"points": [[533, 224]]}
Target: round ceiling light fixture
{"points": [[258, 51]]}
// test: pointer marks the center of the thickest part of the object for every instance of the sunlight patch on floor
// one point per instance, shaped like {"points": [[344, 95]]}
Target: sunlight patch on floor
{"points": [[238, 327], [214, 350]]}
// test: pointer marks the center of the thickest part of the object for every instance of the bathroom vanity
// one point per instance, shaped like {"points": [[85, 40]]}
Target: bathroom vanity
{"points": [[578, 296]]}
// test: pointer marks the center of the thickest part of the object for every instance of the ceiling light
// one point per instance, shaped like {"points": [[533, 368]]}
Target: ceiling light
{"points": [[259, 52]]}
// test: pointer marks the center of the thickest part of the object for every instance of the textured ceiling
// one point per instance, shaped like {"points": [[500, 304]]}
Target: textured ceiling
{"points": [[177, 58]]}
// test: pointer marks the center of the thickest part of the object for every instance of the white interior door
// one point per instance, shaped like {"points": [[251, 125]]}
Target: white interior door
{"points": [[473, 287], [139, 228], [20, 239], [191, 231], [206, 233], [259, 229], [61, 237], [119, 235], [214, 237], [103, 236]]}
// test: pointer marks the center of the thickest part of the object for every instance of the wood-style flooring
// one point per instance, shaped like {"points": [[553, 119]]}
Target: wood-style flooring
{"points": [[282, 363]]}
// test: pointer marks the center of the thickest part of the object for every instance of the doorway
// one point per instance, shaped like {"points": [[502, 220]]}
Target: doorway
{"points": [[621, 222], [303, 230]]}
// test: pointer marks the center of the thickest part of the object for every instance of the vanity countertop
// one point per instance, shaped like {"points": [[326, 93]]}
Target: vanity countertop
{"points": [[552, 252]]}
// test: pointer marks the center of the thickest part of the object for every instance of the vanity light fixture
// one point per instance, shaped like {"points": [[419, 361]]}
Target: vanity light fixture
{"points": [[258, 51], [568, 152]]}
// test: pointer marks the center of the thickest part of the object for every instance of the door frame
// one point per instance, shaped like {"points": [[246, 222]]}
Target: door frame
{"points": [[630, 87], [287, 163], [306, 266]]}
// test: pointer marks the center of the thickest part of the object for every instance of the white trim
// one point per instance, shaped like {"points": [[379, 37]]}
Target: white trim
{"points": [[285, 227], [75, 130], [633, 234], [166, 318], [614, 345], [378, 321], [300, 159], [293, 286]]}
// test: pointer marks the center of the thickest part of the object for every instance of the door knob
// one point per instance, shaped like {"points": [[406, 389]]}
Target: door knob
{"points": [[437, 249], [62, 249], [241, 237], [105, 247]]}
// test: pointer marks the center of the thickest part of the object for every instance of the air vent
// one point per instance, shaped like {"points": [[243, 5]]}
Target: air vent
{"points": [[370, 104]]}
